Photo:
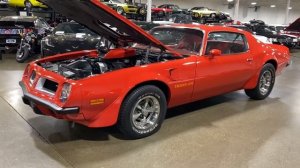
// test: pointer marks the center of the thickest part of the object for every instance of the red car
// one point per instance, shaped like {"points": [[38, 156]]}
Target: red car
{"points": [[165, 10], [294, 29], [134, 77]]}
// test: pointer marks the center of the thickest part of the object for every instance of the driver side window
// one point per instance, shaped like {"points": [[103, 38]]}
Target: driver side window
{"points": [[226, 42]]}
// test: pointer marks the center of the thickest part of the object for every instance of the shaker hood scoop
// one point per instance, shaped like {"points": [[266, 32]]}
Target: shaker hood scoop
{"points": [[103, 20]]}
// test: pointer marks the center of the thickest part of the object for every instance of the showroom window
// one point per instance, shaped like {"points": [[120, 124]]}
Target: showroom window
{"points": [[227, 42]]}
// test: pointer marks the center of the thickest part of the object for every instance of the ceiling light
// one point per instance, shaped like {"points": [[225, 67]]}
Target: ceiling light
{"points": [[290, 8], [253, 3], [273, 6], [229, 0]]}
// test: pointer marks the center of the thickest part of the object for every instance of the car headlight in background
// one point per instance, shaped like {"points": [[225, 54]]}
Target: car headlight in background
{"points": [[274, 40], [65, 92], [295, 40]]}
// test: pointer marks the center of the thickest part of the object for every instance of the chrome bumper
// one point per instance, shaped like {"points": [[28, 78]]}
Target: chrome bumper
{"points": [[31, 100]]}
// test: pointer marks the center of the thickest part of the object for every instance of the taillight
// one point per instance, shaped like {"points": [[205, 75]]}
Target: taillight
{"points": [[25, 31]]}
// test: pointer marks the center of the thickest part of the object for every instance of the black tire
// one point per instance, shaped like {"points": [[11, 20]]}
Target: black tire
{"points": [[126, 122], [213, 15], [22, 54], [259, 93], [120, 10]]}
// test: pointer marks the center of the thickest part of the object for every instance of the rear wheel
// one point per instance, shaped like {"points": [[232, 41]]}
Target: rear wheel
{"points": [[142, 112], [265, 83]]}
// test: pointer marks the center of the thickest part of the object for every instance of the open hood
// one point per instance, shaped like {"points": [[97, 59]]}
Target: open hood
{"points": [[103, 20], [295, 26]]}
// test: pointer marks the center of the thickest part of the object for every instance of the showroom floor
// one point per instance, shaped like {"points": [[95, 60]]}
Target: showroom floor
{"points": [[228, 131]]}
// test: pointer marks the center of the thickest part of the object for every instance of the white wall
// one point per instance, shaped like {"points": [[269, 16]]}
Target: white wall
{"points": [[265, 13]]}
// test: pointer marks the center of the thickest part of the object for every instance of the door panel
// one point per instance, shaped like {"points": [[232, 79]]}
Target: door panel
{"points": [[226, 72], [221, 74]]}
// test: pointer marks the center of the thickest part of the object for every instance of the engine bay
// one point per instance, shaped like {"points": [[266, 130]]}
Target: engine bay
{"points": [[106, 62]]}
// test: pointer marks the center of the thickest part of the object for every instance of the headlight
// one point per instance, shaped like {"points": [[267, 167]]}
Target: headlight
{"points": [[295, 40], [65, 92], [274, 40]]}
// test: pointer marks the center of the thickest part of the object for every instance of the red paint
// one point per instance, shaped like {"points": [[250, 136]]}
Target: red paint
{"points": [[188, 79]]}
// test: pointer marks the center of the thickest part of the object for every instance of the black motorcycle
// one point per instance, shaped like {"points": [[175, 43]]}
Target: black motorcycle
{"points": [[30, 45]]}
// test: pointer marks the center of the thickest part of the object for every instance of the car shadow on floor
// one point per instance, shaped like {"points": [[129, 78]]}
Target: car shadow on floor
{"points": [[102, 144], [207, 111]]}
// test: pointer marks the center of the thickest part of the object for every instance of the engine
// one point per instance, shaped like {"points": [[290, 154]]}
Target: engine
{"points": [[85, 66], [113, 60]]}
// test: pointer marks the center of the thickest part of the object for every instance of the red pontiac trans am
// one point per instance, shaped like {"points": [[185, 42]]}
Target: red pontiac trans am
{"points": [[134, 77]]}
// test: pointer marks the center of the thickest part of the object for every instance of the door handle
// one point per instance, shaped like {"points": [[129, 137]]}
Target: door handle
{"points": [[249, 59]]}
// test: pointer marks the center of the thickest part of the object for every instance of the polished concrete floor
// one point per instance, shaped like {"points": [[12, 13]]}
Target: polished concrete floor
{"points": [[228, 131]]}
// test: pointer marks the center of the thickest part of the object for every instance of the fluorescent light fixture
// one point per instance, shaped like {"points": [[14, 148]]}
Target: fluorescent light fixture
{"points": [[253, 3], [273, 6], [290, 8], [229, 0]]}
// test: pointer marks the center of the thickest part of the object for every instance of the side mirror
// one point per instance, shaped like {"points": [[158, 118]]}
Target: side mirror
{"points": [[215, 52]]}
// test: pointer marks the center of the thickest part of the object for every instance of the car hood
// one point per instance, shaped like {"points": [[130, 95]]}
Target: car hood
{"points": [[295, 26], [104, 21]]}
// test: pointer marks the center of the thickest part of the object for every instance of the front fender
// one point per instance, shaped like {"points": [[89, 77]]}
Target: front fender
{"points": [[110, 90]]}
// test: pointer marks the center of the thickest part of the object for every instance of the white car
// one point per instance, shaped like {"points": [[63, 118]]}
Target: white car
{"points": [[263, 39]]}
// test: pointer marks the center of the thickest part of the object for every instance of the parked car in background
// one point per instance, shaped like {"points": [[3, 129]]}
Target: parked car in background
{"points": [[122, 8], [68, 37], [278, 28], [12, 28], [3, 3], [261, 38], [147, 26], [133, 83], [204, 12], [294, 29], [283, 39], [165, 10], [21, 3]]}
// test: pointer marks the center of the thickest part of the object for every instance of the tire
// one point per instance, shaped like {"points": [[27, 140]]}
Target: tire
{"points": [[265, 83], [22, 54], [120, 10], [135, 123], [213, 15]]}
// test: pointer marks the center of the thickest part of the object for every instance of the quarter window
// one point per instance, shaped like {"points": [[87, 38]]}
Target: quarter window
{"points": [[227, 42]]}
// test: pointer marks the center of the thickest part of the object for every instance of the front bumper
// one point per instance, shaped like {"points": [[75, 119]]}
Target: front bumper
{"points": [[31, 100]]}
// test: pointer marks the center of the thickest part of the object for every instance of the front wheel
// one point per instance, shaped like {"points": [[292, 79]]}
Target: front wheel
{"points": [[22, 54], [142, 112], [265, 83]]}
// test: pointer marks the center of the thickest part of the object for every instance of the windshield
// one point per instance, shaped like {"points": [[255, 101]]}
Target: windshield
{"points": [[198, 8], [116, 1], [183, 40], [72, 28]]}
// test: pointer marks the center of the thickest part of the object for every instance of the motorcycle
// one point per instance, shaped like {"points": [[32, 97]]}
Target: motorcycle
{"points": [[29, 46]]}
